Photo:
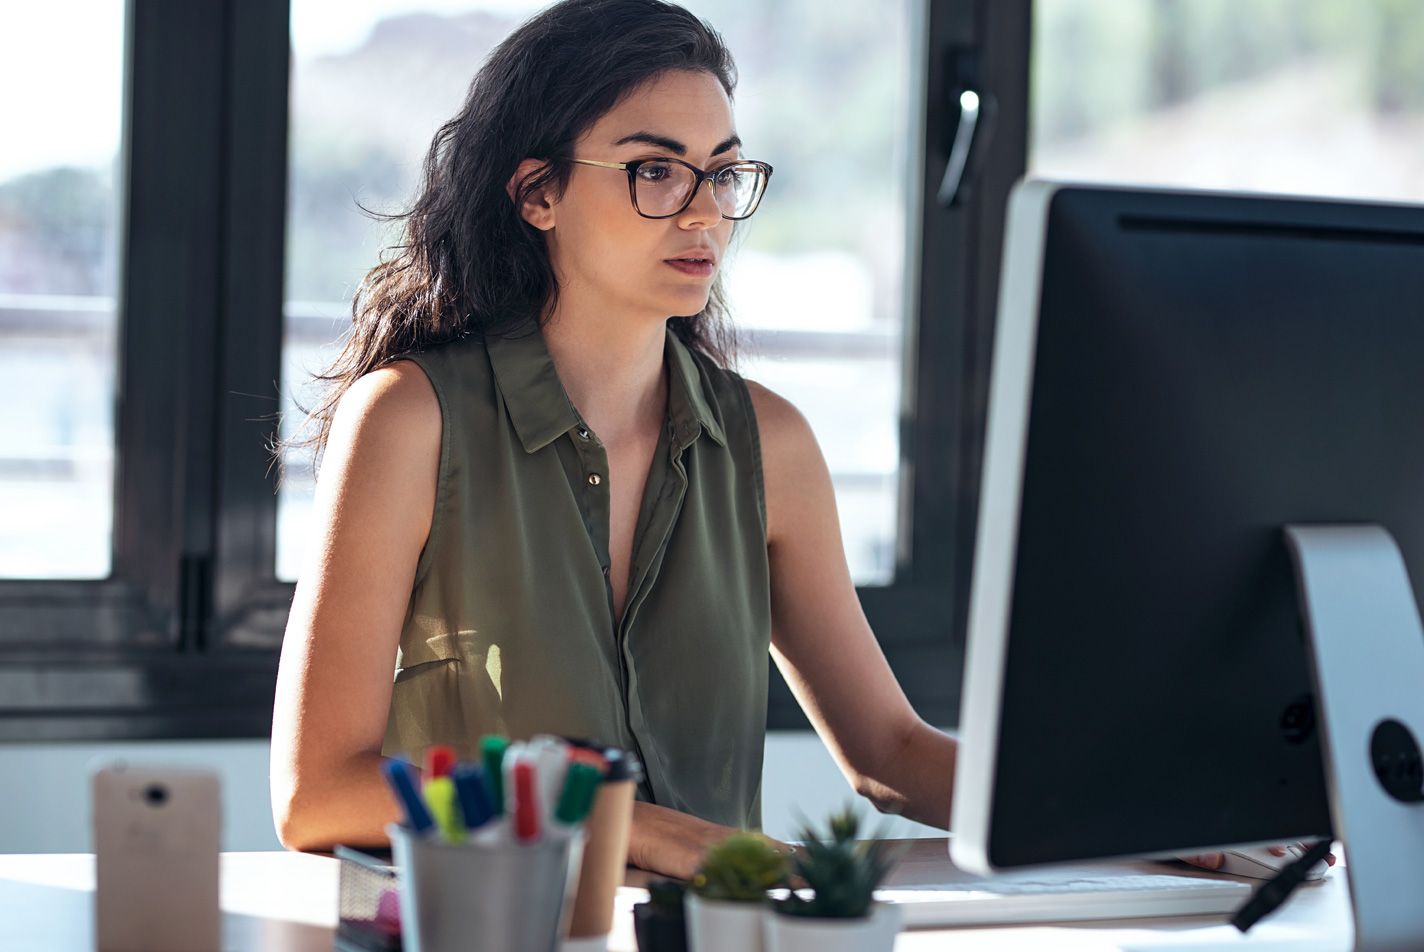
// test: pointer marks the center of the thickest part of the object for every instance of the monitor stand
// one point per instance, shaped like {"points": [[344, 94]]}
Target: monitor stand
{"points": [[1366, 648]]}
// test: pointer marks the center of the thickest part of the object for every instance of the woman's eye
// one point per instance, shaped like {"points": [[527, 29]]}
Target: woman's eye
{"points": [[654, 171], [726, 177]]}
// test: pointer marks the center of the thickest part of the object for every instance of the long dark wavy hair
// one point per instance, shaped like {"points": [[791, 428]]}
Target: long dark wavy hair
{"points": [[467, 262]]}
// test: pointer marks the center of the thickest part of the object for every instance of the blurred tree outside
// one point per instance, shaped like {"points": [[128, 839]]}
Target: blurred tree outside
{"points": [[1396, 41], [1310, 96], [56, 230]]}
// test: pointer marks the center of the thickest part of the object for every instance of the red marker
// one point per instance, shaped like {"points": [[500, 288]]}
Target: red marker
{"points": [[526, 803], [439, 761], [591, 757]]}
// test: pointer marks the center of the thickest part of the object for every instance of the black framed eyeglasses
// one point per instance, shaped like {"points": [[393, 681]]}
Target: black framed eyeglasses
{"points": [[664, 187]]}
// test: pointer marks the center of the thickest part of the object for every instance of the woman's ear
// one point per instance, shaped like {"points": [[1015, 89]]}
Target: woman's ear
{"points": [[536, 208]]}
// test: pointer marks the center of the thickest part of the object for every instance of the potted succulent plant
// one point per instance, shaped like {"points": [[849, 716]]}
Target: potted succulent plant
{"points": [[728, 900], [659, 923], [837, 910]]}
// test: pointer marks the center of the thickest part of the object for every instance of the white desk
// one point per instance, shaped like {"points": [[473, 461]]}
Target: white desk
{"points": [[286, 902]]}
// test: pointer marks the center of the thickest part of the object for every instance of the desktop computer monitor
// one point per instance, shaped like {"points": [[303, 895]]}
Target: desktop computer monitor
{"points": [[1176, 377]]}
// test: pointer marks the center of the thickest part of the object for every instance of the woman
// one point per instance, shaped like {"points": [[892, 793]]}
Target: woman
{"points": [[551, 510], [544, 494]]}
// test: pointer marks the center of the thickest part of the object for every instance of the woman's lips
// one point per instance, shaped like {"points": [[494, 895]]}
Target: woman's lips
{"points": [[699, 269]]}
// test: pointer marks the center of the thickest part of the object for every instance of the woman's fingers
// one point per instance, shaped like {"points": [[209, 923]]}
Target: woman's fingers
{"points": [[1211, 861], [1214, 861]]}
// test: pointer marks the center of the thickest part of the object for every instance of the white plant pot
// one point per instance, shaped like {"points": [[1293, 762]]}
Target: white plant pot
{"points": [[874, 933], [714, 925]]}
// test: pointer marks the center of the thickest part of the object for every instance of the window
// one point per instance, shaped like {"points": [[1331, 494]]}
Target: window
{"points": [[1296, 96], [59, 228], [158, 310], [817, 285], [369, 87]]}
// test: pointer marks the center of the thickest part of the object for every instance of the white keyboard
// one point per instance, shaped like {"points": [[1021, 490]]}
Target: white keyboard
{"points": [[1064, 894]]}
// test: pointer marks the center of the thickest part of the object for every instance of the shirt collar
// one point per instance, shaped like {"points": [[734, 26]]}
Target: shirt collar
{"points": [[540, 409], [688, 406]]}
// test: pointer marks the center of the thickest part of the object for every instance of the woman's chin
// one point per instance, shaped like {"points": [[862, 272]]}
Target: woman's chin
{"points": [[687, 303]]}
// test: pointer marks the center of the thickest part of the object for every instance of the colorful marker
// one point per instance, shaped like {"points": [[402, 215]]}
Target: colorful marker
{"points": [[526, 801], [552, 757], [439, 760], [473, 795], [576, 798], [440, 796], [417, 816], [492, 750], [439, 791], [588, 756]]}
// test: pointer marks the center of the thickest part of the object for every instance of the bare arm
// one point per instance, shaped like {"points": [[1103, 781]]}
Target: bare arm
{"points": [[822, 642], [374, 504]]}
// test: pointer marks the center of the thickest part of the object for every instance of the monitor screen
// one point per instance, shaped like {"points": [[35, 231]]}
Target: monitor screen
{"points": [[1177, 376]]}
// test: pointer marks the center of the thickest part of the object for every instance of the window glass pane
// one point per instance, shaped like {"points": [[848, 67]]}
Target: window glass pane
{"points": [[1296, 96], [817, 282], [61, 66]]}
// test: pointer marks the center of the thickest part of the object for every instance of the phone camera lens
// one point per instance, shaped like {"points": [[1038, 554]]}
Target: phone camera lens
{"points": [[156, 794]]}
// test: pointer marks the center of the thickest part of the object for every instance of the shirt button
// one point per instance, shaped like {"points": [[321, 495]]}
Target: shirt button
{"points": [[594, 479], [583, 432]]}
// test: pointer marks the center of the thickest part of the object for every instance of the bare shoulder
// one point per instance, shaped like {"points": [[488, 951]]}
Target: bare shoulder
{"points": [[395, 399], [793, 469], [384, 446], [392, 410], [783, 429]]}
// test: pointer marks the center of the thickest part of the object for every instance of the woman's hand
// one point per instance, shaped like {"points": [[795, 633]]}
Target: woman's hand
{"points": [[670, 843], [1213, 861]]}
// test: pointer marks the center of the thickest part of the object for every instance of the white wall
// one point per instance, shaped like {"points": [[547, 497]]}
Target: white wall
{"points": [[44, 789]]}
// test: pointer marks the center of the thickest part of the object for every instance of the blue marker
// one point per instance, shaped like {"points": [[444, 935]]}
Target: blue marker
{"points": [[473, 794], [417, 814]]}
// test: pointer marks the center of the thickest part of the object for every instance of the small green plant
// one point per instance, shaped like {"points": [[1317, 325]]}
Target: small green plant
{"points": [[741, 868], [841, 872]]}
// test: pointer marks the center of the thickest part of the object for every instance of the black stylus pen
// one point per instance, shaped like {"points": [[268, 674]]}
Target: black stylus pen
{"points": [[1272, 895]]}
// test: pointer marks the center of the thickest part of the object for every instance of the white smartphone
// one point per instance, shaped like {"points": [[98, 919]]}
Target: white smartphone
{"points": [[157, 835]]}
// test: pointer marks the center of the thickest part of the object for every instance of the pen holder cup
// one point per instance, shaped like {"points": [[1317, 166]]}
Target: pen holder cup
{"points": [[487, 895]]}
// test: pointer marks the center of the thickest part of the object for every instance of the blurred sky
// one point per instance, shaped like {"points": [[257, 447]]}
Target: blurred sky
{"points": [[320, 27], [61, 82], [61, 68]]}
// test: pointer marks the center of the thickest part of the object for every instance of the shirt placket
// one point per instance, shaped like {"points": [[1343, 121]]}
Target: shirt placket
{"points": [[594, 499], [648, 554], [647, 547]]}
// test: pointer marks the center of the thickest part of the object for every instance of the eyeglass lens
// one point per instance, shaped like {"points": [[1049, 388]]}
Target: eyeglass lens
{"points": [[662, 188]]}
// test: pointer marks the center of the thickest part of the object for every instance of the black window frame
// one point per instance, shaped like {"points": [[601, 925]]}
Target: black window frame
{"points": [[182, 641]]}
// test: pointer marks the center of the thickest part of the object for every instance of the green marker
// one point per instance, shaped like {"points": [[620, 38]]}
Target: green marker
{"points": [[492, 748], [576, 799]]}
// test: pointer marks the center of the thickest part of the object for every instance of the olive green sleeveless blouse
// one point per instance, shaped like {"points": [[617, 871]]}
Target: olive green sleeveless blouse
{"points": [[510, 625]]}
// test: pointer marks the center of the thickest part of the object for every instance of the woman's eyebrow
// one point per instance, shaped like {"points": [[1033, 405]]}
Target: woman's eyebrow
{"points": [[672, 145]]}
